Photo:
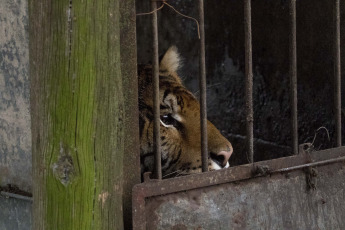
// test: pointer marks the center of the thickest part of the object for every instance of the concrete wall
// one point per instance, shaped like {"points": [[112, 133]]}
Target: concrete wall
{"points": [[15, 214], [15, 133]]}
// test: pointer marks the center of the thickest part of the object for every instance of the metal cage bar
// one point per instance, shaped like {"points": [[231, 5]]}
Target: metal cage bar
{"points": [[156, 109], [293, 76], [202, 85], [249, 79], [337, 73]]}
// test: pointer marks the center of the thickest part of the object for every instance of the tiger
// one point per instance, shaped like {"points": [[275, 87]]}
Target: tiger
{"points": [[180, 133]]}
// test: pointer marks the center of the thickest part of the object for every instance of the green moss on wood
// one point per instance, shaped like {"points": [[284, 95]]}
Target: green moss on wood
{"points": [[78, 114]]}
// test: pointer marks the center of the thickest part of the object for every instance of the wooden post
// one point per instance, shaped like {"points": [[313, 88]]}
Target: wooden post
{"points": [[78, 109], [131, 158]]}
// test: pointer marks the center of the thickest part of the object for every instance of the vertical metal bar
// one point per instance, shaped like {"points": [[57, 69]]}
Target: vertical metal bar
{"points": [[293, 76], [337, 72], [202, 85], [156, 109], [249, 78]]}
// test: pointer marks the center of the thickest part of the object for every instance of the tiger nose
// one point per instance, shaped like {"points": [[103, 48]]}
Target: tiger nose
{"points": [[222, 157], [225, 155]]}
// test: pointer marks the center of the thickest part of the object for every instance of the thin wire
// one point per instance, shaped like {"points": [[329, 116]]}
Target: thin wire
{"points": [[140, 14], [183, 15], [322, 127], [198, 26]]}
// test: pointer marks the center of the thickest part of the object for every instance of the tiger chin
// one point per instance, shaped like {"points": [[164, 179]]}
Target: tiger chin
{"points": [[180, 133]]}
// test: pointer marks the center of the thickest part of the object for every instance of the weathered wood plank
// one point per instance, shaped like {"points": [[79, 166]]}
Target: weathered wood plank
{"points": [[78, 110]]}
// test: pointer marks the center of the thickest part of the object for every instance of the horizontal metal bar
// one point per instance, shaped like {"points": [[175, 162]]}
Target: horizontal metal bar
{"points": [[319, 163], [16, 196], [232, 174]]}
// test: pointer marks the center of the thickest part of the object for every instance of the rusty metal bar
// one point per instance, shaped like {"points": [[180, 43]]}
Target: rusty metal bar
{"points": [[319, 163], [237, 173], [249, 78], [293, 76], [138, 208], [337, 72], [233, 174], [202, 85], [156, 109], [16, 196]]}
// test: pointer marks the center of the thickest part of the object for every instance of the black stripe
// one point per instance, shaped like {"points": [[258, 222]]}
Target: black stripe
{"points": [[163, 107], [141, 125], [166, 93], [176, 159], [147, 154]]}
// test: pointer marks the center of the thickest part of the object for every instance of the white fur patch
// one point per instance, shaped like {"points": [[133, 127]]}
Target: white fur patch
{"points": [[167, 126], [176, 117], [215, 166], [171, 60]]}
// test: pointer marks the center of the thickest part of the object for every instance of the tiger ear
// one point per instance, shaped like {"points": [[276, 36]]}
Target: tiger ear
{"points": [[170, 62]]}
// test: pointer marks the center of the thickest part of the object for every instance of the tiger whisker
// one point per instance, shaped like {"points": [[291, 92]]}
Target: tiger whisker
{"points": [[182, 173], [171, 173], [208, 87]]}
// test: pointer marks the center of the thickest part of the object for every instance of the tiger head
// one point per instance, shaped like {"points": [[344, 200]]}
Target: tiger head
{"points": [[180, 133]]}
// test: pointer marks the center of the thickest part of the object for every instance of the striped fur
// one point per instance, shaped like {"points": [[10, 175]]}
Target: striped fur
{"points": [[180, 122]]}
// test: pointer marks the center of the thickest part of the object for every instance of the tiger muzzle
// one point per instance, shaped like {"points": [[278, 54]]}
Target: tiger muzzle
{"points": [[221, 158]]}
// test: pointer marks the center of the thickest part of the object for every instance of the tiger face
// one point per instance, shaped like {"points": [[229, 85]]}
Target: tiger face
{"points": [[179, 124]]}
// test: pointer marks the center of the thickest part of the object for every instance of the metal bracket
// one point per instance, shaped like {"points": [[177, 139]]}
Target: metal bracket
{"points": [[261, 170], [311, 172], [305, 148], [311, 177], [147, 176]]}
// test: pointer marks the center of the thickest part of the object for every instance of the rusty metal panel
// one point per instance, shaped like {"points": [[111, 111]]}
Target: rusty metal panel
{"points": [[285, 193], [267, 203]]}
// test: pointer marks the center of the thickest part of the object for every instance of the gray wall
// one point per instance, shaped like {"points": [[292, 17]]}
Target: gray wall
{"points": [[15, 214], [15, 133]]}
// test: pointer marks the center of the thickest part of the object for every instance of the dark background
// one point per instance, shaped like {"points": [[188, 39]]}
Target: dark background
{"points": [[224, 30]]}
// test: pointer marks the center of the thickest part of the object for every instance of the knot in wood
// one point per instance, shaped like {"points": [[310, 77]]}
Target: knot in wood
{"points": [[63, 169]]}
